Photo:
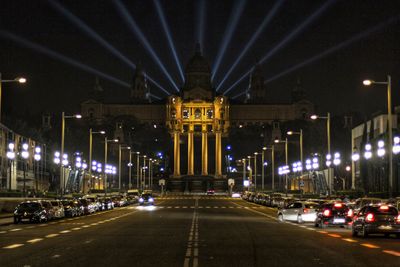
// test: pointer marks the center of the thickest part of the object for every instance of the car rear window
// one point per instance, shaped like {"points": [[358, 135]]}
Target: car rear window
{"points": [[379, 211], [29, 205], [310, 206]]}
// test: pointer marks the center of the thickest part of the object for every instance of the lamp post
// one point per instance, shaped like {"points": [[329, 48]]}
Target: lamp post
{"points": [[120, 147], [286, 158], [106, 141], [91, 133], [18, 80], [11, 157], [328, 132], [63, 117], [255, 170], [272, 148], [130, 171], [25, 156], [244, 170], [37, 157], [388, 84], [300, 133], [137, 169]]}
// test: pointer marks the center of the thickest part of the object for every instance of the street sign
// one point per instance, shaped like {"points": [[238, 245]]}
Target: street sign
{"points": [[231, 182], [301, 183], [161, 182]]}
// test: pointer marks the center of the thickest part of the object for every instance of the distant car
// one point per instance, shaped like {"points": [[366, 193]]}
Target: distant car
{"points": [[361, 202], [95, 201], [210, 192], [106, 203], [236, 195], [87, 206], [299, 211], [32, 211], [71, 209], [146, 199], [133, 193], [376, 219], [58, 209], [49, 209], [333, 214]]}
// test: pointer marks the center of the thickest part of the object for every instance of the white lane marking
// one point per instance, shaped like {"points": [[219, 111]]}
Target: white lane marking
{"points": [[13, 246], [52, 235], [392, 252], [86, 226], [3, 232], [65, 231], [34, 240], [14, 230], [56, 256], [76, 228]]}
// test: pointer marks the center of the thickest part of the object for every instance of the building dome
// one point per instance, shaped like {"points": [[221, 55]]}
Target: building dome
{"points": [[197, 72]]}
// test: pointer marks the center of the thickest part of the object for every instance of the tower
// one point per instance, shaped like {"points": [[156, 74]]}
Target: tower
{"points": [[298, 92], [256, 90], [97, 92], [140, 92]]}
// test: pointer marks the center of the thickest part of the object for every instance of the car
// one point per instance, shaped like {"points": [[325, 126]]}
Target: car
{"points": [[236, 195], [32, 211], [87, 206], [333, 214], [361, 202], [95, 201], [106, 203], [71, 208], [299, 211], [376, 219], [146, 199], [133, 193], [210, 192], [49, 208], [58, 209]]}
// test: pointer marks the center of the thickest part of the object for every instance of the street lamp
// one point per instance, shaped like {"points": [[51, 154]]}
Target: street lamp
{"points": [[63, 117], [300, 134], [120, 147], [16, 80], [328, 133], [25, 156], [106, 141], [255, 170], [91, 133], [277, 141], [388, 84], [11, 157], [37, 157]]}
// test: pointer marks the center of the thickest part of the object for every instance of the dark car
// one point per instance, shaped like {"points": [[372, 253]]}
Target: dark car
{"points": [[333, 214], [376, 219], [71, 208], [106, 203], [146, 199], [210, 192], [32, 211]]}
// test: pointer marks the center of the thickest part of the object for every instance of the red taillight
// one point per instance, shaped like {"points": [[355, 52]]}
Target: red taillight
{"points": [[383, 207], [350, 213], [370, 217], [338, 205], [398, 218], [327, 213], [306, 210]]}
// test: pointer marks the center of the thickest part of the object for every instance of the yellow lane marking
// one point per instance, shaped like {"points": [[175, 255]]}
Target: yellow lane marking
{"points": [[86, 226], [76, 228], [322, 232], [13, 246], [369, 245], [350, 240], [391, 252], [34, 240], [334, 235], [52, 235]]}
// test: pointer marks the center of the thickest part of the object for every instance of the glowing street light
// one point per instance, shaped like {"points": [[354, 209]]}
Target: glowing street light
{"points": [[368, 152], [381, 148], [336, 159], [396, 146], [328, 160]]}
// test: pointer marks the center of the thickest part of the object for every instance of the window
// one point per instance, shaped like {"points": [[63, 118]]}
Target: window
{"points": [[209, 114], [173, 113], [297, 205], [197, 113], [185, 113]]}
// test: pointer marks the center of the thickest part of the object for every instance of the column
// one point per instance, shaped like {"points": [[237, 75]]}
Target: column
{"points": [[177, 154], [191, 151], [204, 153], [218, 168]]}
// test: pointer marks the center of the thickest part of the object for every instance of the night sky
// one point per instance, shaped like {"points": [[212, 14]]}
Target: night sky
{"points": [[332, 82]]}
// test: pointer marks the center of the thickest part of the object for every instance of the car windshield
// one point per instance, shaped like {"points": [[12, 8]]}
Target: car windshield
{"points": [[146, 196], [29, 205]]}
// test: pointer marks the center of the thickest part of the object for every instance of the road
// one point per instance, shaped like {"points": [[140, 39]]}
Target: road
{"points": [[189, 231]]}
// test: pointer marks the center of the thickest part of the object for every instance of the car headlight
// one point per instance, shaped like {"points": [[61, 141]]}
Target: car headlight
{"points": [[151, 199], [141, 200]]}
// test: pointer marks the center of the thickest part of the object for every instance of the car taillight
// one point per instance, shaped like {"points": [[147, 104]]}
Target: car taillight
{"points": [[398, 218], [338, 205], [370, 217], [327, 213], [306, 210], [383, 207], [350, 213]]}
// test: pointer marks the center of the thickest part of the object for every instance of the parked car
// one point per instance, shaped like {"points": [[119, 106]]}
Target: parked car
{"points": [[58, 209], [71, 208], [49, 209], [376, 219], [133, 194], [32, 211], [106, 203], [87, 206], [146, 199], [299, 211], [210, 192], [95, 202], [333, 214]]}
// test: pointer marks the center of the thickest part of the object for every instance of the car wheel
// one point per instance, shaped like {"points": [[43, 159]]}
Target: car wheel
{"points": [[364, 232], [354, 232], [299, 219], [280, 217], [16, 221]]}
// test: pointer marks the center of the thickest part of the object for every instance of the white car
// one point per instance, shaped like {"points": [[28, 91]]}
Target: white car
{"points": [[298, 211]]}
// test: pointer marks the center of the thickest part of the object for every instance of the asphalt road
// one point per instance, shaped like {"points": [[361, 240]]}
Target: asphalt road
{"points": [[189, 231]]}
